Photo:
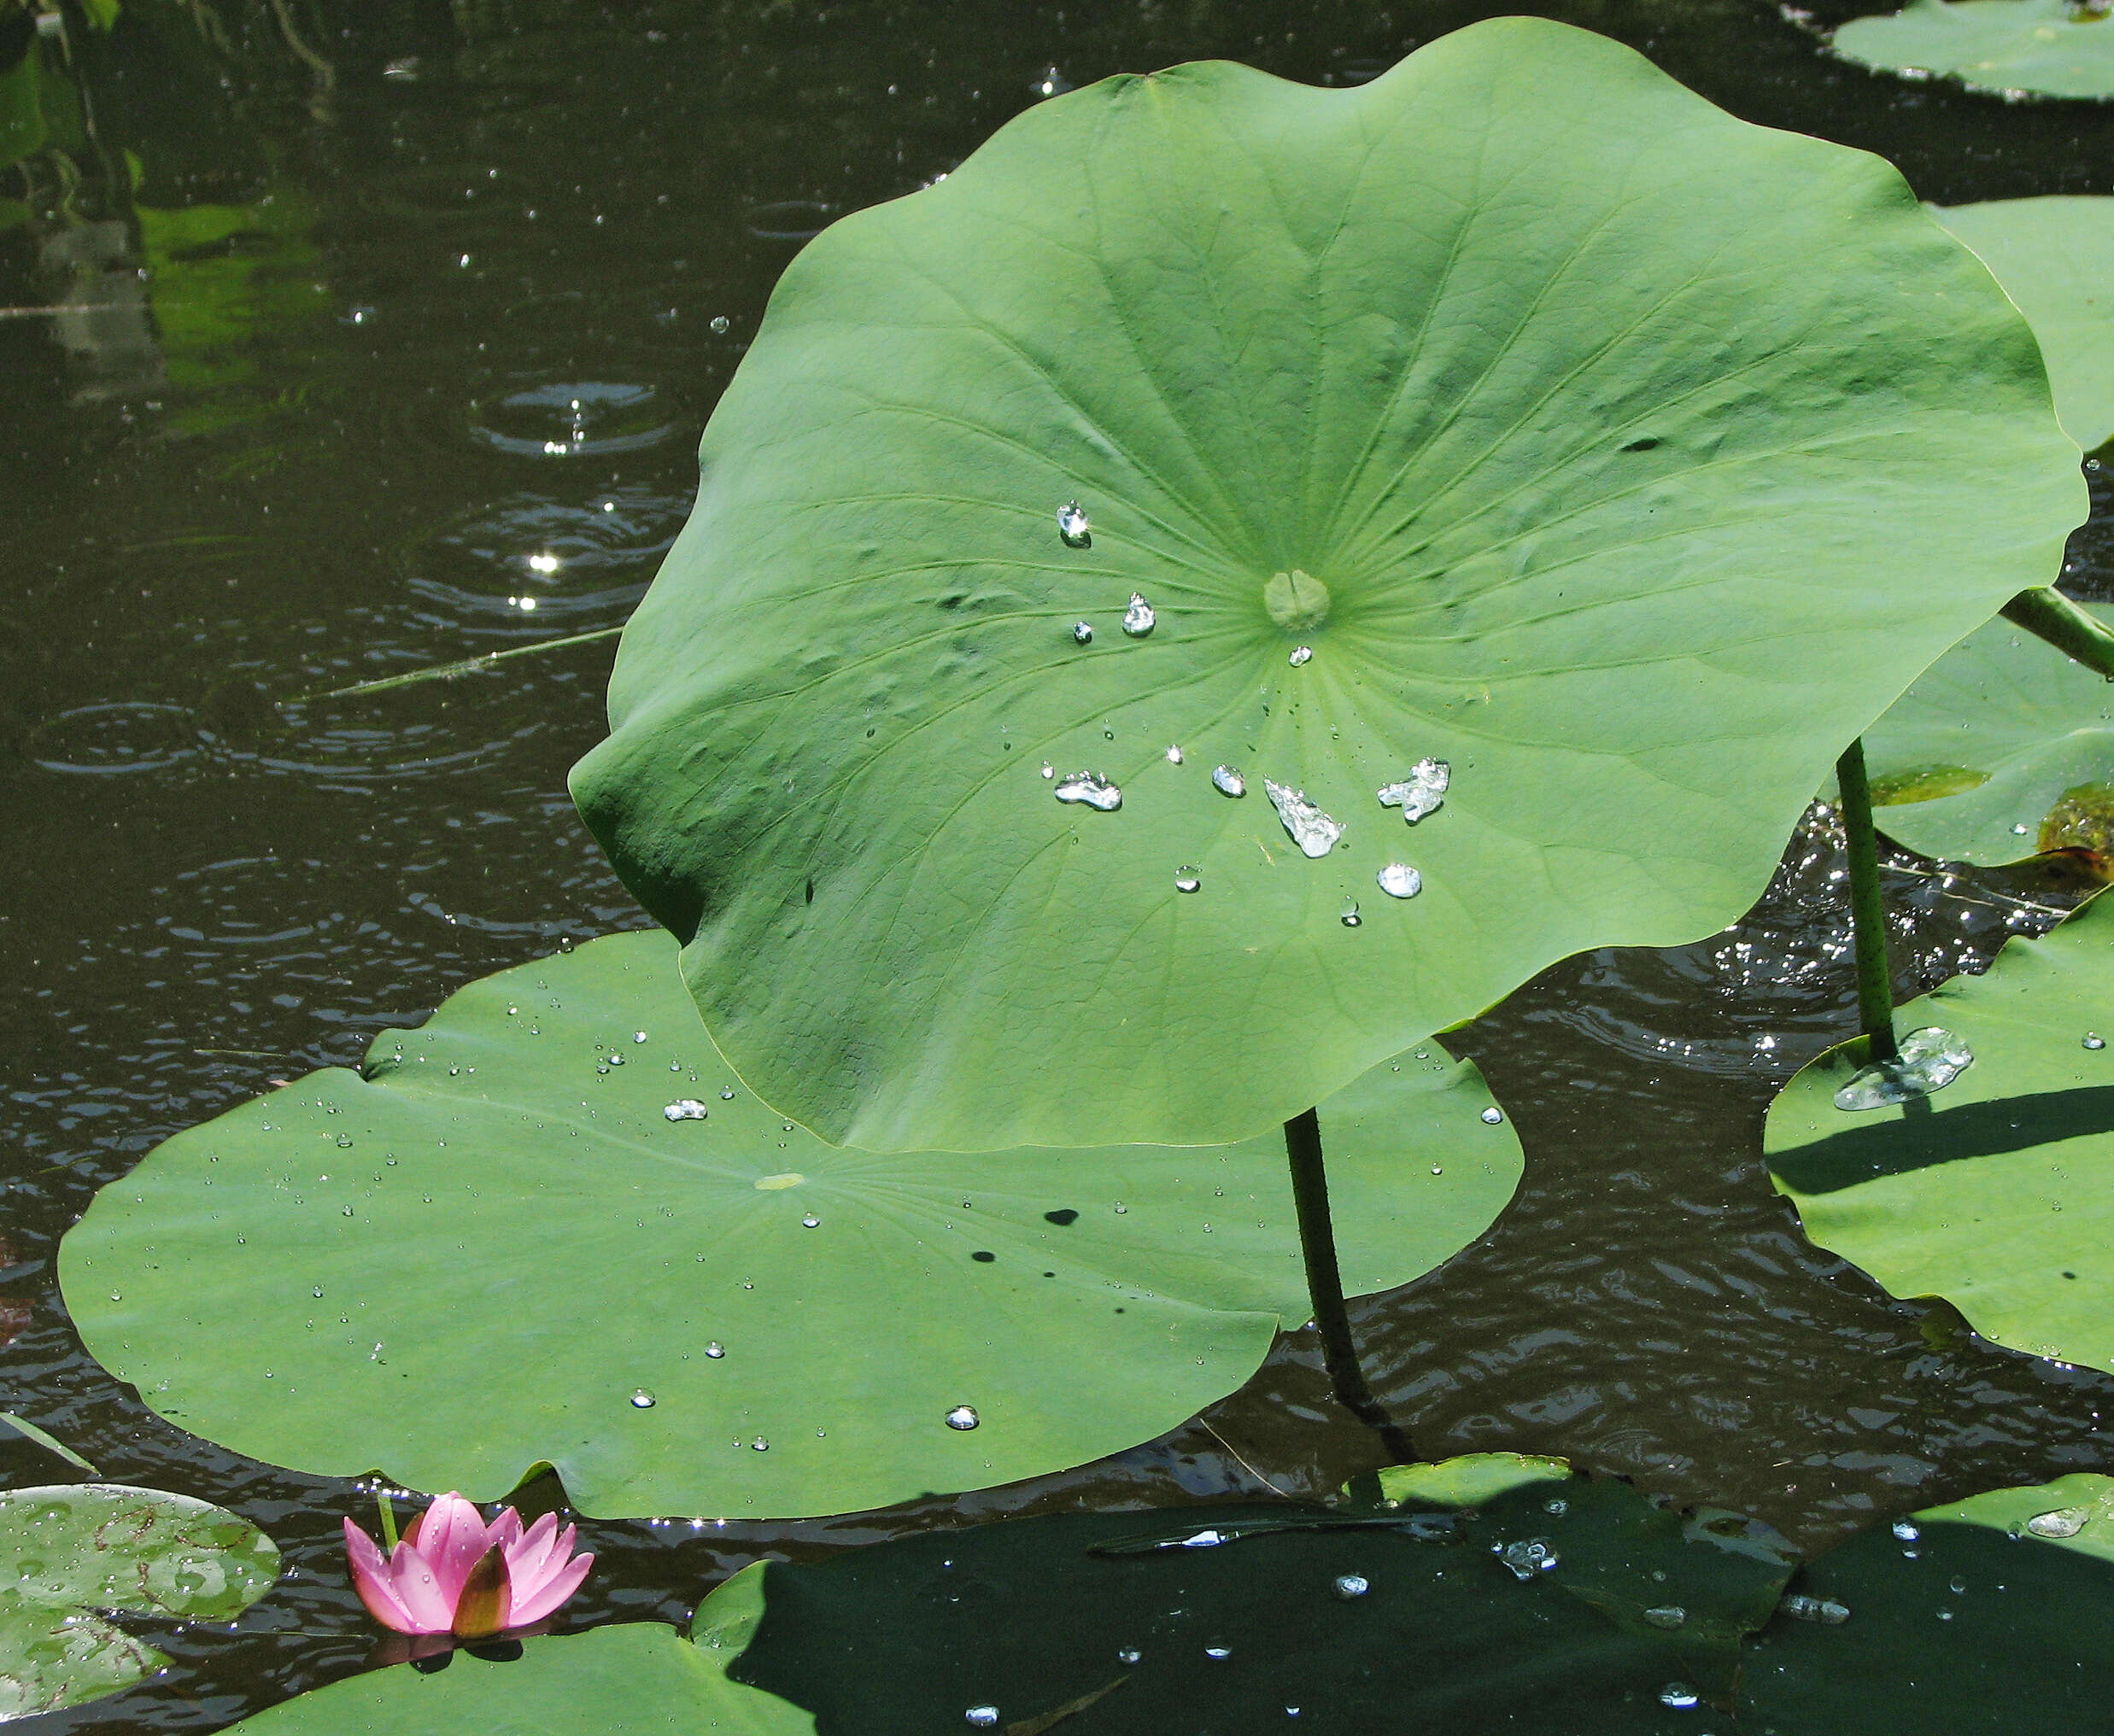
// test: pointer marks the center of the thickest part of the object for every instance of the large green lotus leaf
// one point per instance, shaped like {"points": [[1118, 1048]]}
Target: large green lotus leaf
{"points": [[633, 1679], [1631, 459], [483, 1253], [69, 1552], [1029, 1617], [1986, 1615], [2055, 257], [1993, 1191], [2046, 46], [2003, 747]]}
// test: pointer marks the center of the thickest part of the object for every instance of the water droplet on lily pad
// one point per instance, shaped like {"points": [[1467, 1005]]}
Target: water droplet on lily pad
{"points": [[1082, 632], [1074, 526], [963, 1416], [1421, 792], [1313, 831], [1173, 756], [1300, 654], [1930, 1058], [1666, 1616], [1218, 1651], [1351, 1585], [2093, 1040], [1091, 788], [759, 1445], [1906, 1530], [1399, 880], [810, 1222], [2063, 1522], [642, 1400], [715, 1350], [1048, 770], [1678, 1695], [1351, 919], [1129, 1654], [1227, 782], [983, 1717], [1187, 879], [1140, 618], [1493, 1114], [685, 1109]]}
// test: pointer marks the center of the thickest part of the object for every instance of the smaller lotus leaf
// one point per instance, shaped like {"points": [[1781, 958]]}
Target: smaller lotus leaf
{"points": [[68, 1551], [1983, 1616], [550, 1226], [2003, 747], [1468, 1480], [2051, 47], [1242, 1614], [638, 1678], [2055, 257], [1992, 1191]]}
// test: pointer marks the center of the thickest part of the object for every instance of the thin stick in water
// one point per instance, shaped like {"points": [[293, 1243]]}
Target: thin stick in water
{"points": [[450, 671]]}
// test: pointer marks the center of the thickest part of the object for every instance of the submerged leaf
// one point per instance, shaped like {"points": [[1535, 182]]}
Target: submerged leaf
{"points": [[501, 1248], [1623, 457], [1992, 1192], [2056, 48]]}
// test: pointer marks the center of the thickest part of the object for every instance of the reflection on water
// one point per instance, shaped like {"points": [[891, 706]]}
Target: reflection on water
{"points": [[336, 331]]}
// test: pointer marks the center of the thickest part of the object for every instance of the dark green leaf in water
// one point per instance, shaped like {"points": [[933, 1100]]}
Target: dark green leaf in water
{"points": [[1992, 1192], [2003, 747], [497, 1250], [2055, 259], [1358, 1626], [1627, 458], [636, 1679], [68, 1551], [2051, 47], [1986, 1615], [22, 128]]}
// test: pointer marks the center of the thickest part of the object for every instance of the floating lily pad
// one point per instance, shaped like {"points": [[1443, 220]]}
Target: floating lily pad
{"points": [[1992, 1192], [2055, 259], [496, 1249], [1625, 457], [637, 1678], [1974, 1618], [2049, 47], [2002, 748], [1379, 1623], [69, 1552]]}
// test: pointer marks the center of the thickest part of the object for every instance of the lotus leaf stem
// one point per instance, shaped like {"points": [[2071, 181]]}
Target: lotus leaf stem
{"points": [[2047, 614], [1868, 909]]}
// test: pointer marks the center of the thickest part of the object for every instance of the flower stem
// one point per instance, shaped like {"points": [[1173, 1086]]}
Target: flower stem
{"points": [[1868, 909], [2048, 614], [1325, 1284], [388, 1521]]}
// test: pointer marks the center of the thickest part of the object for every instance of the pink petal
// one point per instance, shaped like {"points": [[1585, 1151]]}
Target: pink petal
{"points": [[371, 1579], [417, 1588], [452, 1537], [539, 1552], [529, 1606], [506, 1529]]}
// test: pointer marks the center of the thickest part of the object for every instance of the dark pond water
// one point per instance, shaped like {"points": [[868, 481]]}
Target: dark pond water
{"points": [[340, 339]]}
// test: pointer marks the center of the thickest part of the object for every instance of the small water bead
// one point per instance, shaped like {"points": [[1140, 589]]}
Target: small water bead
{"points": [[317, 1292], [1528, 1558], [642, 1400], [1906, 1530], [686, 1109], [1555, 1506], [1129, 1654], [1678, 1695], [2093, 1040], [1218, 1651], [344, 1142], [1227, 782], [1140, 618], [1399, 880], [616, 1060], [638, 1036], [1173, 756], [1074, 526], [1300, 654], [1187, 879], [1667, 1616], [1350, 918], [1958, 1585], [1493, 1114], [1313, 831], [726, 1095], [720, 324], [715, 1349], [759, 1445], [964, 1418], [1931, 1058], [1091, 788], [1824, 1610], [810, 1222], [1351, 1585], [1422, 793], [983, 1717], [1048, 770], [1082, 632]]}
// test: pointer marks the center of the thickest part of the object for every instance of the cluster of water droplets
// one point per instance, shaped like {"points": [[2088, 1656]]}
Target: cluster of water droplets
{"points": [[1313, 831], [1091, 788], [1931, 1058], [1421, 793]]}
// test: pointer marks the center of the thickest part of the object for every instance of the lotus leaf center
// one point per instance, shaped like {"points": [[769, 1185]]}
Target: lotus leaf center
{"points": [[1296, 602], [771, 1184]]}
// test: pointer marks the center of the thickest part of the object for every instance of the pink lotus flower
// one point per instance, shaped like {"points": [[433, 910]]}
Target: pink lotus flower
{"points": [[454, 1574]]}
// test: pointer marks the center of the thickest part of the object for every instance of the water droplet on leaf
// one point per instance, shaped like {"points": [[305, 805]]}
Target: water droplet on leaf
{"points": [[1140, 618], [1300, 654], [1930, 1060], [1400, 881], [1082, 632], [1091, 788], [1313, 831], [963, 1416], [1351, 1585], [642, 1400], [1187, 879], [1227, 782], [1421, 792], [686, 1109], [1074, 526]]}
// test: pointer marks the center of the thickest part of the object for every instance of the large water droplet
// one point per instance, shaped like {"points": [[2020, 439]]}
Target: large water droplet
{"points": [[1218, 1651], [1173, 756], [1091, 788], [1351, 1585], [1129, 1654], [1138, 619], [344, 1142], [685, 1109], [1493, 1114], [1420, 793], [1906, 1530], [1074, 526], [642, 1400], [2063, 1522], [963, 1417], [2093, 1040], [317, 1292], [1826, 1611], [715, 1350], [1048, 770], [1082, 632], [1312, 830], [1300, 654], [759, 1445], [1678, 1695], [638, 1036], [1666, 1616], [983, 1717], [1528, 1558], [1187, 879], [1351, 919], [810, 1222], [1399, 880], [1930, 1060], [1227, 782]]}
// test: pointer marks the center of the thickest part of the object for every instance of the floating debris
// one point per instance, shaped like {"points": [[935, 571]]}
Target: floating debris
{"points": [[1930, 1058], [1312, 830], [1091, 788], [1073, 525], [1300, 654], [1227, 782], [1420, 793], [1138, 619], [1400, 881]]}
